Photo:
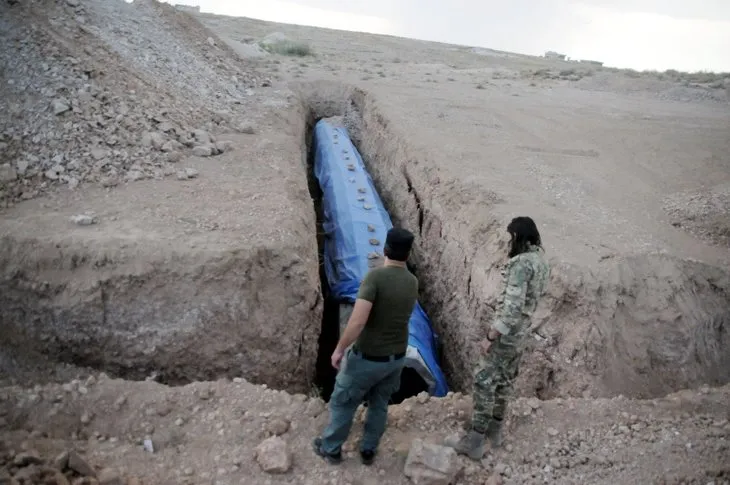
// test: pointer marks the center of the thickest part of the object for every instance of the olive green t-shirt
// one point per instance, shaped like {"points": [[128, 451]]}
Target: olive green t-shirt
{"points": [[393, 291]]}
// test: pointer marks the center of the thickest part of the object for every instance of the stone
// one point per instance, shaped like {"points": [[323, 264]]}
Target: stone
{"points": [[202, 136], [85, 481], [22, 166], [174, 157], [278, 426], [8, 173], [110, 476], [431, 464], [223, 146], [79, 465], [133, 175], [84, 220], [72, 3], [211, 41], [109, 182], [188, 173], [203, 150], [99, 153], [51, 174], [60, 106], [153, 139], [165, 127], [246, 129], [61, 460], [273, 455], [494, 480], [314, 408], [30, 457], [552, 431], [171, 146]]}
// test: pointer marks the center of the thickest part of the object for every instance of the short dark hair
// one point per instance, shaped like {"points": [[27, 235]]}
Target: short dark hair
{"points": [[524, 233], [398, 244]]}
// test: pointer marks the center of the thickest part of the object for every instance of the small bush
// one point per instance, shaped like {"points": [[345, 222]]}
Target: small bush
{"points": [[288, 48]]}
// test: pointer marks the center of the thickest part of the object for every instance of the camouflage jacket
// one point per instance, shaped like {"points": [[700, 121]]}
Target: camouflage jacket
{"points": [[526, 279]]}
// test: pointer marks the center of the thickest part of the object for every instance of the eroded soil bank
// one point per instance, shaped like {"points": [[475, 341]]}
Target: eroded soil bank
{"points": [[178, 280]]}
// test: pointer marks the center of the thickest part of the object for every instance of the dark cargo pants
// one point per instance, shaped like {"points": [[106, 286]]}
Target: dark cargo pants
{"points": [[493, 383], [360, 379]]}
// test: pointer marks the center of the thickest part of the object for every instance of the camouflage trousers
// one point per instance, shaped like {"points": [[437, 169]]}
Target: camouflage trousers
{"points": [[493, 383]]}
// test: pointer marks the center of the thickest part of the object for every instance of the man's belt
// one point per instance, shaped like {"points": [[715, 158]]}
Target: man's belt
{"points": [[379, 358]]}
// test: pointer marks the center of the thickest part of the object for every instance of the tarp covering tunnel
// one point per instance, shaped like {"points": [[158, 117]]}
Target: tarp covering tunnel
{"points": [[355, 224]]}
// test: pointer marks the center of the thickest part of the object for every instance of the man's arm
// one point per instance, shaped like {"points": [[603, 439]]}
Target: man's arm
{"points": [[358, 319], [514, 299]]}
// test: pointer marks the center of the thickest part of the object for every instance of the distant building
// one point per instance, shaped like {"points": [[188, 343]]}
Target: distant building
{"points": [[593, 63], [554, 55], [188, 8]]}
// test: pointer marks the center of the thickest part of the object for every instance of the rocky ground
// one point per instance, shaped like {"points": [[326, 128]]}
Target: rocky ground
{"points": [[234, 432], [156, 225]]}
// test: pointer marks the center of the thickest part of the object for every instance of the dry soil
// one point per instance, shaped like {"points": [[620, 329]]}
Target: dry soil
{"points": [[156, 225]]}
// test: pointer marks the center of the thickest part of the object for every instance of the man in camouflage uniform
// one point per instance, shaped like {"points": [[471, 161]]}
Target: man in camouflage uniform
{"points": [[527, 274]]}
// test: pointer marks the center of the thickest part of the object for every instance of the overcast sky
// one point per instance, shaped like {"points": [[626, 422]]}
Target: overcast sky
{"points": [[642, 34]]}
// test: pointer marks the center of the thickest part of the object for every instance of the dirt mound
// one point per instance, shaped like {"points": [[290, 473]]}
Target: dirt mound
{"points": [[704, 214], [105, 92]]}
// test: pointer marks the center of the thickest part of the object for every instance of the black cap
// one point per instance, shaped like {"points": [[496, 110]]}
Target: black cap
{"points": [[398, 244]]}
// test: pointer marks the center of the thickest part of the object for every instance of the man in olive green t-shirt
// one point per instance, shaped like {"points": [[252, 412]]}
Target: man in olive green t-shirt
{"points": [[378, 328]]}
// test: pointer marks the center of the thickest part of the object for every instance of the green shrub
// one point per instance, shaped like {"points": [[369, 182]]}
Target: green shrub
{"points": [[288, 48]]}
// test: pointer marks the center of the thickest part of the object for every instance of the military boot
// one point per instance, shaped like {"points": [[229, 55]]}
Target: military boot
{"points": [[471, 445], [494, 432]]}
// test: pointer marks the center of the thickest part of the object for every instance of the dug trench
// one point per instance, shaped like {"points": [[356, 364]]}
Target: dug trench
{"points": [[639, 326], [335, 313]]}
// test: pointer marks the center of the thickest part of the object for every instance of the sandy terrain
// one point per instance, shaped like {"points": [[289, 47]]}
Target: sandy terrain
{"points": [[155, 224]]}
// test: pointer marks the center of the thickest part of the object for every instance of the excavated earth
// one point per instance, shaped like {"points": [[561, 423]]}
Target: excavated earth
{"points": [[156, 225]]}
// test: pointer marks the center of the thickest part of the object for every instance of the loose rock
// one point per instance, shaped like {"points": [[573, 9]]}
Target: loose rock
{"points": [[7, 173], [273, 455], [110, 476], [203, 150], [84, 220], [315, 407], [246, 129], [30, 457], [79, 465], [60, 106], [278, 426], [431, 464]]}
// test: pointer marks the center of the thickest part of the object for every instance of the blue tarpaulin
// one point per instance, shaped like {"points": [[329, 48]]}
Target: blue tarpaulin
{"points": [[355, 225]]}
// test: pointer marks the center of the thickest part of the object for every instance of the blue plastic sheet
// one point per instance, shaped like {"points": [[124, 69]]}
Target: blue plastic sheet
{"points": [[351, 206]]}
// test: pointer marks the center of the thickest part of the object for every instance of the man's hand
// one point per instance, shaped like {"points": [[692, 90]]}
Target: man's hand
{"points": [[337, 358], [485, 345]]}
